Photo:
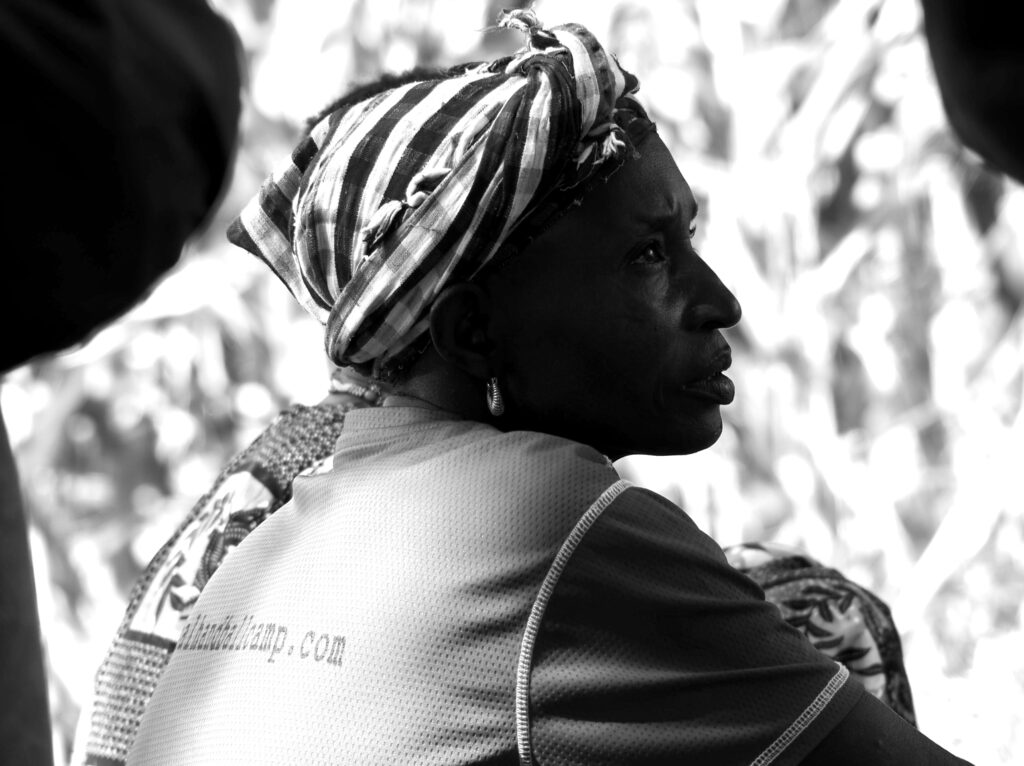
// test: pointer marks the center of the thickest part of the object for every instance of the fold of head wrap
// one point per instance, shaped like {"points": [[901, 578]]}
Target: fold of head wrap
{"points": [[388, 200]]}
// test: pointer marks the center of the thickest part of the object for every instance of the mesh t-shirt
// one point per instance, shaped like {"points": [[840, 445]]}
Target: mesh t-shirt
{"points": [[252, 486], [445, 593]]}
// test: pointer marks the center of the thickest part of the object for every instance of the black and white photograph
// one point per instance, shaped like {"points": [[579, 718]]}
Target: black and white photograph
{"points": [[555, 383]]}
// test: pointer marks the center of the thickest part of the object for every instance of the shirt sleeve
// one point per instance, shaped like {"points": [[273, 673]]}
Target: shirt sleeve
{"points": [[652, 649]]}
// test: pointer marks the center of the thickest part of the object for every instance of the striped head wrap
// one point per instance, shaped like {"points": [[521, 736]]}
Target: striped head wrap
{"points": [[389, 199]]}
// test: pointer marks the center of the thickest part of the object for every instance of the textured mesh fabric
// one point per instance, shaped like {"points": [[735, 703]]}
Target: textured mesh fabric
{"points": [[253, 485], [653, 648], [840, 618], [437, 594], [397, 587]]}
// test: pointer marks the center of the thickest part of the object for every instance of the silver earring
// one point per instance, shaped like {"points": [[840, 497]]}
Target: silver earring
{"points": [[495, 403]]}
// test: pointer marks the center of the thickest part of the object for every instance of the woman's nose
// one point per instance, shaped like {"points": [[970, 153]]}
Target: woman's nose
{"points": [[712, 305]]}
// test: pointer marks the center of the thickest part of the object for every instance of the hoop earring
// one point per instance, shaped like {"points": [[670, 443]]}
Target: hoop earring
{"points": [[495, 402]]}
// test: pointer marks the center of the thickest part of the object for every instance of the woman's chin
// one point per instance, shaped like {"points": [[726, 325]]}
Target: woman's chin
{"points": [[682, 439]]}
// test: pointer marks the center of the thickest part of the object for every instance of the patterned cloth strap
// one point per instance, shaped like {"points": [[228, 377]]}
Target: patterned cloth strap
{"points": [[388, 200], [849, 623]]}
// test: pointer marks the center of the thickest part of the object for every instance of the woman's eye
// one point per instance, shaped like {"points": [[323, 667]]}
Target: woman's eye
{"points": [[648, 255], [693, 230]]}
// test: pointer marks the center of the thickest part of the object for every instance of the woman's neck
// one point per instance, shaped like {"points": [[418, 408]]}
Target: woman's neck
{"points": [[435, 383]]}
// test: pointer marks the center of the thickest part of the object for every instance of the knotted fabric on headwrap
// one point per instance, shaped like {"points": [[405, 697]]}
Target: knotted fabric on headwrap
{"points": [[389, 199]]}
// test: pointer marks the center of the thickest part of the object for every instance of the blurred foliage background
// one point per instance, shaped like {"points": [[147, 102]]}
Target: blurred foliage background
{"points": [[880, 363]]}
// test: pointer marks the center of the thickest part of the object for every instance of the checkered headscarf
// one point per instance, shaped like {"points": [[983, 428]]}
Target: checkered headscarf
{"points": [[390, 199]]}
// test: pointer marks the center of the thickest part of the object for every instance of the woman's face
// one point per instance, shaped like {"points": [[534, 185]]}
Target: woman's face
{"points": [[608, 326]]}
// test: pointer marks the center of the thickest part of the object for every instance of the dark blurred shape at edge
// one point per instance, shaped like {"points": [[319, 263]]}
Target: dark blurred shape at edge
{"points": [[120, 127], [978, 55]]}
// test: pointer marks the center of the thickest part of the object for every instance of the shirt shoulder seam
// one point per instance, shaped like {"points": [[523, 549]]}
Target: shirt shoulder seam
{"points": [[547, 588], [805, 719]]}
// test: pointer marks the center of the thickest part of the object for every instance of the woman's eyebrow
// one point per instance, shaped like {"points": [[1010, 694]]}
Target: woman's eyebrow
{"points": [[672, 214]]}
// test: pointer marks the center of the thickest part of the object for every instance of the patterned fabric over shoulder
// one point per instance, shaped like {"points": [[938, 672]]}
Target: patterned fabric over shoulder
{"points": [[253, 485], [847, 622]]}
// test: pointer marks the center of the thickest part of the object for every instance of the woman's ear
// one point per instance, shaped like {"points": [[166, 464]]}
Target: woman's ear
{"points": [[459, 322]]}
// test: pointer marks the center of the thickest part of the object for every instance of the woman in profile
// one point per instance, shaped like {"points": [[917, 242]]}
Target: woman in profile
{"points": [[508, 246]]}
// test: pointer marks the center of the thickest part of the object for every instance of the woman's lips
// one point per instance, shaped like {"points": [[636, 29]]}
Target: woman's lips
{"points": [[715, 388]]}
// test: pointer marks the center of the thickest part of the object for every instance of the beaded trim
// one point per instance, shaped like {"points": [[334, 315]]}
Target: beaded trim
{"points": [[371, 394]]}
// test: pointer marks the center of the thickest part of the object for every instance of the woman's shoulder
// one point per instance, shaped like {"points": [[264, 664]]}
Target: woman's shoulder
{"points": [[566, 453], [460, 450], [546, 463]]}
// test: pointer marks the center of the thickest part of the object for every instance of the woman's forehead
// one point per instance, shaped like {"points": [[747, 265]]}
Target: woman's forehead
{"points": [[647, 197], [656, 183], [648, 190]]}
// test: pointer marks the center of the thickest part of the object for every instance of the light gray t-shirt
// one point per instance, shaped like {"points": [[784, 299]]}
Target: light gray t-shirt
{"points": [[444, 593]]}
